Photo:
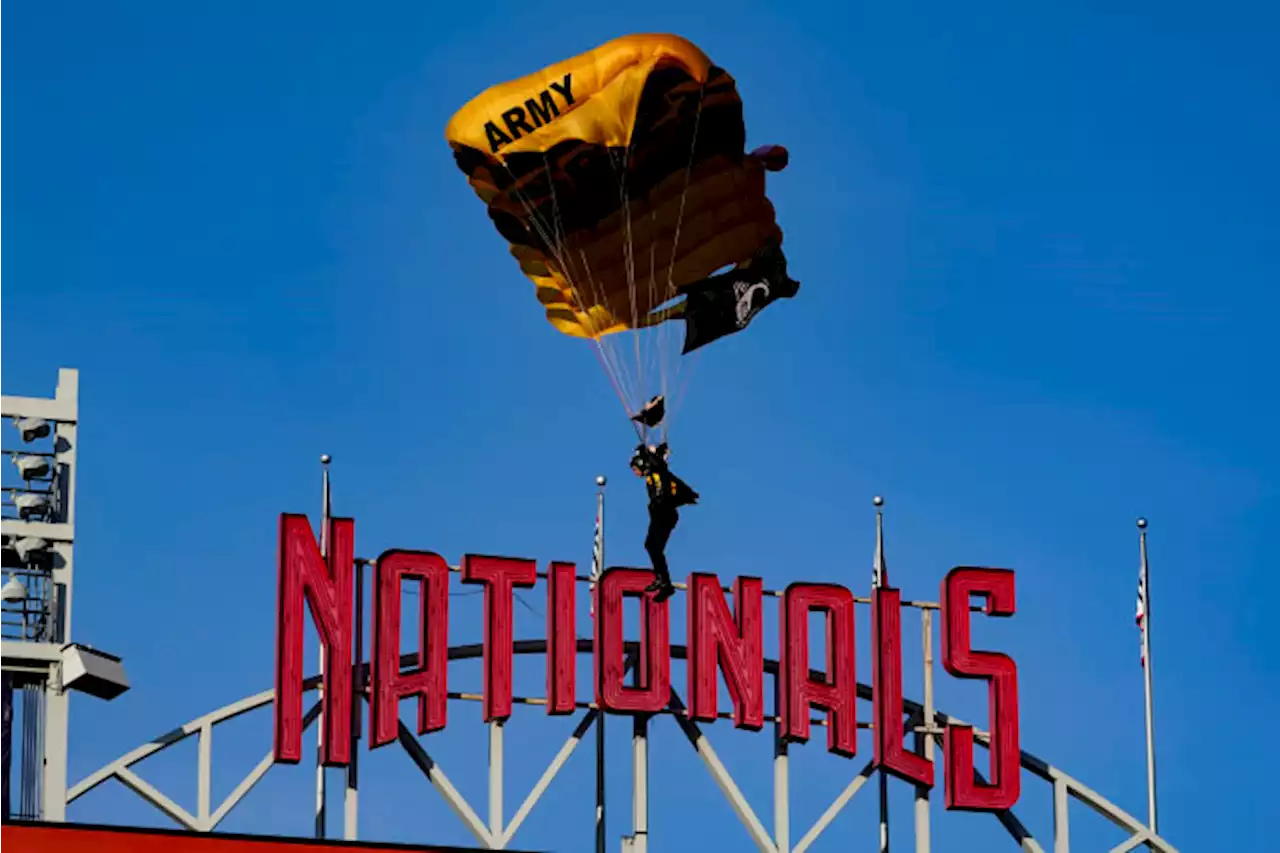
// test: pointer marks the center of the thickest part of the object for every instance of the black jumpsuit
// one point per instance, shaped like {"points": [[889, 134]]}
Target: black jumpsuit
{"points": [[667, 492]]}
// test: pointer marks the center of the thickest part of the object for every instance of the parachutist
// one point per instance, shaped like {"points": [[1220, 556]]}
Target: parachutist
{"points": [[552, 160], [667, 493]]}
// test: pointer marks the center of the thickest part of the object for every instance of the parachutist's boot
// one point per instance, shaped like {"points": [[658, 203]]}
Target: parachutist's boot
{"points": [[662, 588], [661, 584]]}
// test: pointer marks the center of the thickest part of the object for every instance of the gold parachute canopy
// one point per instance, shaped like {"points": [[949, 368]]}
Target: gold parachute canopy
{"points": [[618, 176]]}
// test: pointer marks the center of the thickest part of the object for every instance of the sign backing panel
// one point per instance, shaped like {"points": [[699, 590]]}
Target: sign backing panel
{"points": [[38, 837]]}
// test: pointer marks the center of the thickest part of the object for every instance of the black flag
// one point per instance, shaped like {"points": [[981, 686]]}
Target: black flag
{"points": [[727, 303]]}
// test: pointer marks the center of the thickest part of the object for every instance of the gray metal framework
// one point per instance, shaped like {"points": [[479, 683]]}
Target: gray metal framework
{"points": [[38, 529], [492, 828]]}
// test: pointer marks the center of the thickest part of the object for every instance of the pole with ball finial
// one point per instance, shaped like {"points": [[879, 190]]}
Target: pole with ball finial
{"points": [[597, 566]]}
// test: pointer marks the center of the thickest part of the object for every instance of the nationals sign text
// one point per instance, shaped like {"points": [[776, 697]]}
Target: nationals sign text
{"points": [[722, 640]]}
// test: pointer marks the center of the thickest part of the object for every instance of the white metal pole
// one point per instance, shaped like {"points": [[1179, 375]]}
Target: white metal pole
{"points": [[1146, 668], [640, 760], [924, 742], [320, 721], [640, 801], [781, 781], [597, 566], [496, 769], [351, 802], [55, 709], [878, 580]]}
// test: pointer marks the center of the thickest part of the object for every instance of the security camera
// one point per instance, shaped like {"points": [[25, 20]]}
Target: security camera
{"points": [[31, 503], [28, 546], [13, 590], [32, 467], [32, 428]]}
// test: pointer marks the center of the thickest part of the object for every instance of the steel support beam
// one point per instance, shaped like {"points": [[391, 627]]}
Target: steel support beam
{"points": [[924, 743], [723, 779], [495, 783], [1064, 787], [640, 784]]}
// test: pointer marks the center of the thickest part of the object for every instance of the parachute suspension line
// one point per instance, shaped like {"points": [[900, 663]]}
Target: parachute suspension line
{"points": [[662, 353], [555, 243], [613, 366], [630, 389], [657, 352], [685, 371], [684, 192], [661, 333], [618, 362], [604, 363], [624, 193], [605, 354], [620, 173]]}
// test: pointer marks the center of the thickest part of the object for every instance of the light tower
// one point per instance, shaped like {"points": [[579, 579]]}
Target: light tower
{"points": [[40, 661]]}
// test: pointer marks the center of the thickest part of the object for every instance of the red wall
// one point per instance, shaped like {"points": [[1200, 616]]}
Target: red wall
{"points": [[23, 837]]}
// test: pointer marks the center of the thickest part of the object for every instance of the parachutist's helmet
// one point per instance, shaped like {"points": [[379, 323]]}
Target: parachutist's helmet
{"points": [[641, 460]]}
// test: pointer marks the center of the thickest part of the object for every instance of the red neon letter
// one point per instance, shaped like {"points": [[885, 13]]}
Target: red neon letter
{"points": [[429, 681], [837, 692], [500, 576], [654, 668], [735, 642], [562, 640], [963, 791], [302, 575], [886, 663]]}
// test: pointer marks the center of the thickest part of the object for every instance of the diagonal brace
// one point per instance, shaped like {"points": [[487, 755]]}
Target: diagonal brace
{"points": [[721, 775], [442, 784]]}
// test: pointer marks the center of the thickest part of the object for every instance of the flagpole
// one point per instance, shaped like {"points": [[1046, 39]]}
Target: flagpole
{"points": [[325, 514], [878, 580], [597, 566], [1146, 669], [351, 803]]}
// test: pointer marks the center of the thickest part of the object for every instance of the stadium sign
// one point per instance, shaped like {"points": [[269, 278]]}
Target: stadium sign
{"points": [[722, 640]]}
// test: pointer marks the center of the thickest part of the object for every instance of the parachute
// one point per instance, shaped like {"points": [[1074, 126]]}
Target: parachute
{"points": [[619, 179]]}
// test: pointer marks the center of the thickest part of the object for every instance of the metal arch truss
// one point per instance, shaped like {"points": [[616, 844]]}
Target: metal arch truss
{"points": [[497, 833]]}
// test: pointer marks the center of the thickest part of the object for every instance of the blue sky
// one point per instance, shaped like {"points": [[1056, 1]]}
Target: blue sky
{"points": [[1037, 248]]}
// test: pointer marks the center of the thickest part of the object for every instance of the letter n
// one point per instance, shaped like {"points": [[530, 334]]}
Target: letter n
{"points": [[963, 791], [428, 681], [734, 642], [837, 690], [325, 586]]}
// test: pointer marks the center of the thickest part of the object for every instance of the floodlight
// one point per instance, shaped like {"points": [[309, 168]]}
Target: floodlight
{"points": [[13, 590], [32, 467], [31, 503], [32, 428], [29, 545], [92, 671]]}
